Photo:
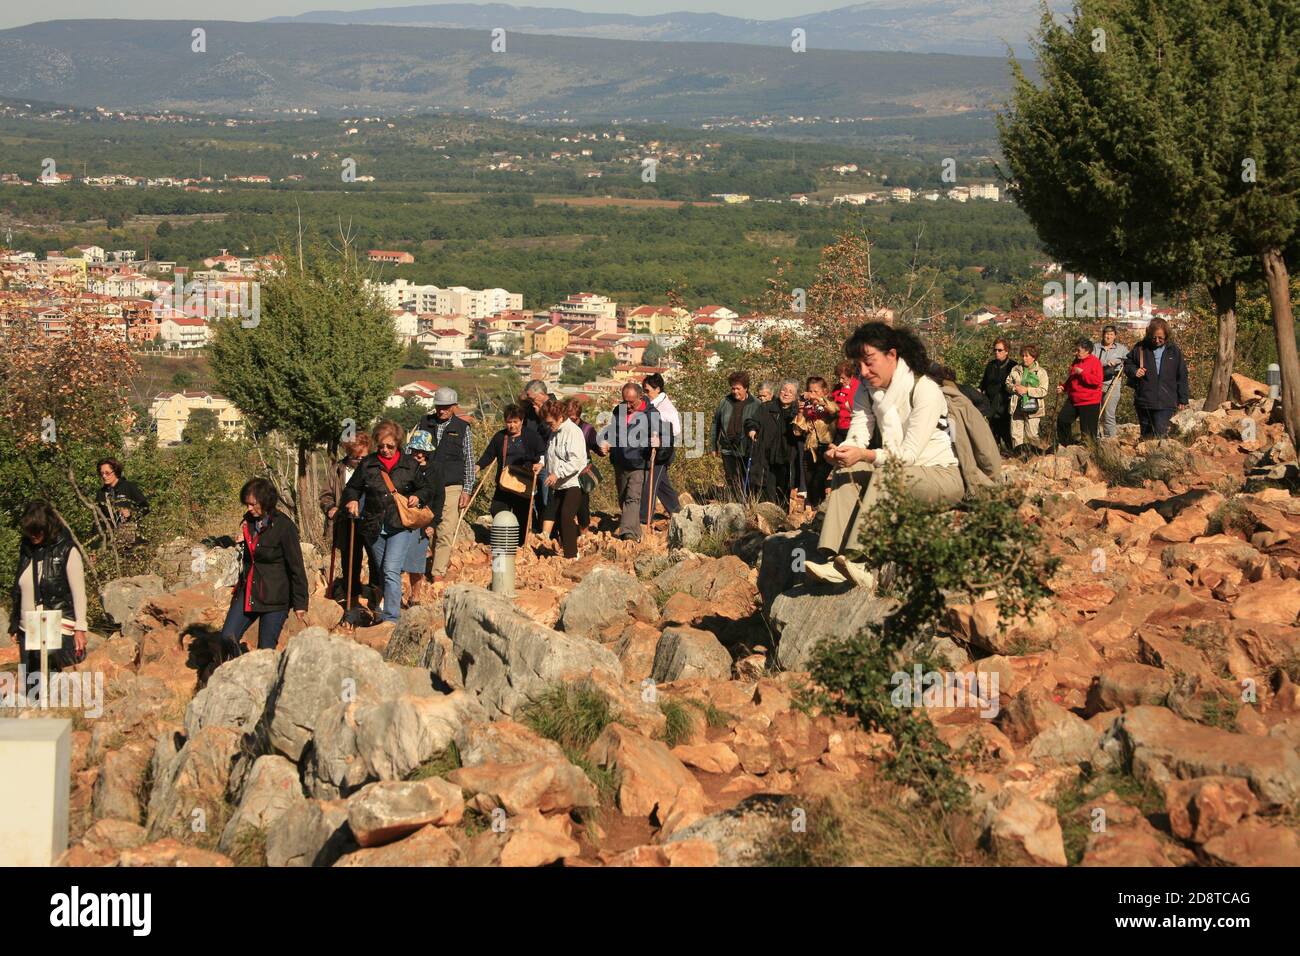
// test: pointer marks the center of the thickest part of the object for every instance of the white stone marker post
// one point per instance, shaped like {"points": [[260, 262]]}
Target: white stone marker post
{"points": [[35, 764]]}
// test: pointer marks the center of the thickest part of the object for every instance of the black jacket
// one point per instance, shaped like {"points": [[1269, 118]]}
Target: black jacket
{"points": [[1166, 390], [522, 452], [450, 451], [53, 592], [279, 578], [125, 495], [379, 510], [994, 387], [776, 445]]}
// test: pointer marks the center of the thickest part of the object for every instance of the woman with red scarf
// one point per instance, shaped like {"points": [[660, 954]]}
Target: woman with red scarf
{"points": [[385, 473], [272, 578]]}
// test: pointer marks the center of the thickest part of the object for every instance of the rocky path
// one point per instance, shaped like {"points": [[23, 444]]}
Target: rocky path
{"points": [[640, 707]]}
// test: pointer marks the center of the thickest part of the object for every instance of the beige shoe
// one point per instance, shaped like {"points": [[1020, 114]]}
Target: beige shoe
{"points": [[823, 573], [857, 573]]}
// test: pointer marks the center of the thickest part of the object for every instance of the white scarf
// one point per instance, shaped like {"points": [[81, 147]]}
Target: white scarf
{"points": [[885, 404]]}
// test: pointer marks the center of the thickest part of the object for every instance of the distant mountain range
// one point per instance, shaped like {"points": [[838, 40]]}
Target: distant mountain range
{"points": [[971, 27], [260, 67]]}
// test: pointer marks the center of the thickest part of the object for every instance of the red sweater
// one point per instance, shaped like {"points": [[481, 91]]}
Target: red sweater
{"points": [[844, 398], [1083, 384]]}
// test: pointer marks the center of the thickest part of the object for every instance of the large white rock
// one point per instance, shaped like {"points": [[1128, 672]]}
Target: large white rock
{"points": [[506, 658]]}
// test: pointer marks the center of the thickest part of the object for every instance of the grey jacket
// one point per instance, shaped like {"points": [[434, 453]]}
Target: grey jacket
{"points": [[972, 440]]}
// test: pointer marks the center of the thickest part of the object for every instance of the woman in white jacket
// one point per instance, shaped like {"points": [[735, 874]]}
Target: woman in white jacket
{"points": [[899, 414], [566, 457]]}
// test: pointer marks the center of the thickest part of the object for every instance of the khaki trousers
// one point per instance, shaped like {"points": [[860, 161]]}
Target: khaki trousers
{"points": [[1022, 428], [444, 526], [853, 494]]}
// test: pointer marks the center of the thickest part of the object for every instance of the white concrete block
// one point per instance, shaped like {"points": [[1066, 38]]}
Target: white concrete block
{"points": [[35, 766]]}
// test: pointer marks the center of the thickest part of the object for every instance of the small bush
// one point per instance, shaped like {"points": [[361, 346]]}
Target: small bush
{"points": [[714, 717], [867, 826], [1233, 516], [677, 722], [574, 715]]}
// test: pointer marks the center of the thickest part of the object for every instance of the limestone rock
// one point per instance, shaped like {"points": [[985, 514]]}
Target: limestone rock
{"points": [[650, 777], [1161, 747], [428, 846], [235, 695], [695, 522], [605, 596], [503, 742], [1207, 806], [1020, 829], [802, 618], [685, 652], [310, 833], [546, 785], [316, 671], [507, 659], [193, 783], [271, 790], [383, 812], [121, 598]]}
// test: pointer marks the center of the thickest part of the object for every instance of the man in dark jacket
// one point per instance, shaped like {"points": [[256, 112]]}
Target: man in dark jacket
{"points": [[993, 386], [633, 430], [1158, 374], [730, 438]]}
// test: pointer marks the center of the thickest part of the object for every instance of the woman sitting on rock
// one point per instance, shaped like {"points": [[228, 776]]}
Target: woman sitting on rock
{"points": [[899, 415]]}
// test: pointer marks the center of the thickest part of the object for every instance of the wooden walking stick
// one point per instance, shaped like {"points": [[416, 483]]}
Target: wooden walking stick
{"points": [[347, 588], [333, 552], [527, 529], [460, 518]]}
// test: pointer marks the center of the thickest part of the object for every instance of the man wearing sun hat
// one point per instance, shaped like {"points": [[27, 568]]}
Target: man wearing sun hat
{"points": [[454, 454]]}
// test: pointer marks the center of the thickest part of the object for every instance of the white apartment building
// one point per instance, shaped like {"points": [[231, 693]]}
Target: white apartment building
{"points": [[985, 191], [179, 332], [471, 303]]}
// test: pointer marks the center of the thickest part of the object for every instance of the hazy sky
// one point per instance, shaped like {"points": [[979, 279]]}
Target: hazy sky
{"points": [[14, 14]]}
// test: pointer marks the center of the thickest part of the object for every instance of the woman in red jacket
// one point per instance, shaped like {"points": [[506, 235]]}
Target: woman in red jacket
{"points": [[1082, 390]]}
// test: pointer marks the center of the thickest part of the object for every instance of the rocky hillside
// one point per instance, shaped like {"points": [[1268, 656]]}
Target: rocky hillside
{"points": [[640, 707]]}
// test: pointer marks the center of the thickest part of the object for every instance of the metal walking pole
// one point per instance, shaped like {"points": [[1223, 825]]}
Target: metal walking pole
{"points": [[352, 537]]}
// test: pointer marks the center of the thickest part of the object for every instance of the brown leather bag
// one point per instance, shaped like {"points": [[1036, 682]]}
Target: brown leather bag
{"points": [[511, 480], [410, 517]]}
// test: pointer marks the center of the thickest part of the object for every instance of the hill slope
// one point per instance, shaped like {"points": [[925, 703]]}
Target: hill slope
{"points": [[976, 27], [269, 66]]}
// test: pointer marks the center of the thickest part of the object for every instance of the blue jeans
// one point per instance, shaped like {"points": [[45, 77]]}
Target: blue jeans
{"points": [[388, 553], [269, 624]]}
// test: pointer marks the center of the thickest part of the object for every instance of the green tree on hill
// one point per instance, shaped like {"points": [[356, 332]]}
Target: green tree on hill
{"points": [[321, 355], [1160, 147]]}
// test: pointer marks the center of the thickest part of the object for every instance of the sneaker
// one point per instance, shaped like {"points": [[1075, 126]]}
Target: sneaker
{"points": [[825, 573], [857, 573]]}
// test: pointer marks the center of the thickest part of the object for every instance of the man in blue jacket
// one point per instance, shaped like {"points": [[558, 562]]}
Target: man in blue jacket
{"points": [[633, 430], [1158, 374]]}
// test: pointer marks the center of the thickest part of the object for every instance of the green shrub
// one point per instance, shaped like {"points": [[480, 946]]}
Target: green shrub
{"points": [[677, 722], [574, 715]]}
